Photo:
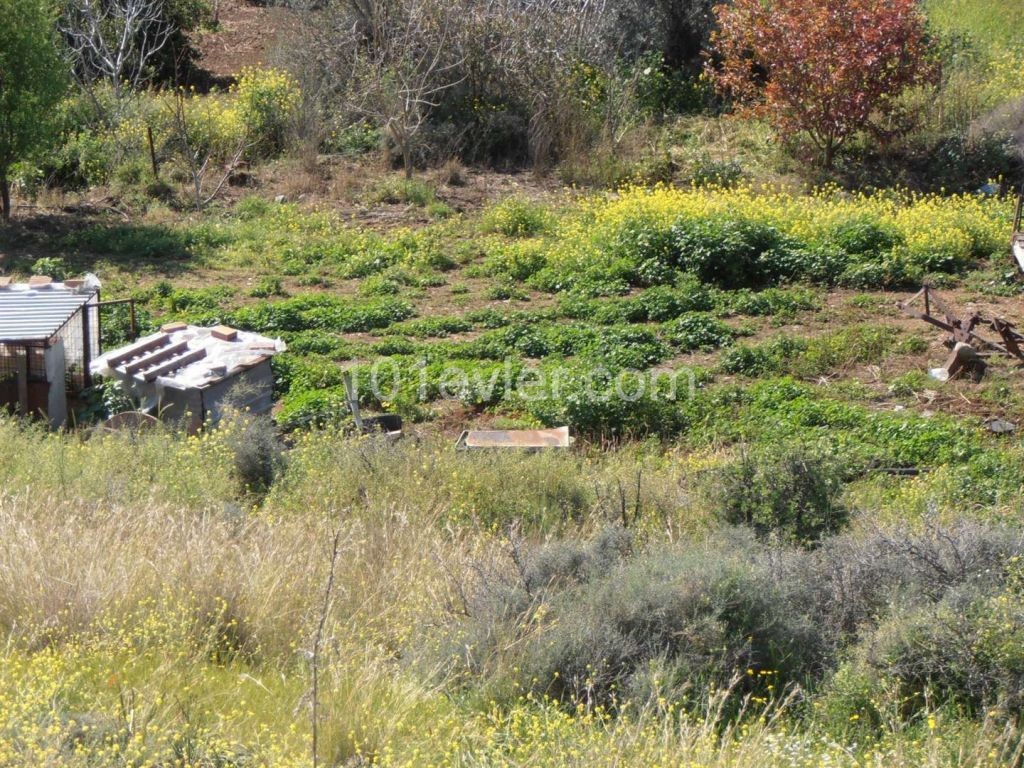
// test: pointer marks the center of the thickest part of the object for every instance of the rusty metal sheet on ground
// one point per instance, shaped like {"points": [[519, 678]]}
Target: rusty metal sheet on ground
{"points": [[515, 438]]}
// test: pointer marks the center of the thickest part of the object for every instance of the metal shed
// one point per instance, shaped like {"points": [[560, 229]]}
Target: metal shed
{"points": [[189, 374], [49, 334]]}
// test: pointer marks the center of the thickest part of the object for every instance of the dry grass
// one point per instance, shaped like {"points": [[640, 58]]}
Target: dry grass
{"points": [[141, 595]]}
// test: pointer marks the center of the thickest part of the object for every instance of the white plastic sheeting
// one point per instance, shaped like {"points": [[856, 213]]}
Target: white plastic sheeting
{"points": [[223, 359]]}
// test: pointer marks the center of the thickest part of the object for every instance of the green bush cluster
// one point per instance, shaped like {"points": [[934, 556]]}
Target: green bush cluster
{"points": [[779, 302], [651, 238], [697, 330], [783, 411], [436, 326], [791, 493], [818, 355], [876, 629], [313, 408], [516, 217], [322, 312], [600, 404]]}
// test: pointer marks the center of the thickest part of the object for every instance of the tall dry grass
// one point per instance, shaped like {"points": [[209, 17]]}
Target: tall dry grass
{"points": [[154, 614]]}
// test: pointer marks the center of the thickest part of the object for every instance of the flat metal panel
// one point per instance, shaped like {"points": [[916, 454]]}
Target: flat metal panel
{"points": [[516, 438]]}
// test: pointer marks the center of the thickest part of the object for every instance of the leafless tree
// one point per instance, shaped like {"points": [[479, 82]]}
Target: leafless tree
{"points": [[394, 61], [115, 40], [399, 62], [201, 158]]}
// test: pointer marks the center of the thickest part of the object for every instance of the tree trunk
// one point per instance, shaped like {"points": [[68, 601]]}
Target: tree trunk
{"points": [[5, 198], [407, 160], [830, 155]]}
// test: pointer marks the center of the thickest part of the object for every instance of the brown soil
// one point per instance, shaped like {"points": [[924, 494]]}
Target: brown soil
{"points": [[244, 35]]}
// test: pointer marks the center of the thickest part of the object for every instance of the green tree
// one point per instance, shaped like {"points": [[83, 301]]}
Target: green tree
{"points": [[32, 80]]}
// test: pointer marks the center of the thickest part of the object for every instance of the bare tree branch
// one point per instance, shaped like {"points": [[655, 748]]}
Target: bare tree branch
{"points": [[200, 158], [115, 40]]}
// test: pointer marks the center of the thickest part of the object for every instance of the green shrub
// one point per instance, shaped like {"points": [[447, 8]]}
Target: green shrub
{"points": [[890, 272], [435, 326], [960, 652], [396, 346], [909, 383], [624, 347], [505, 290], [84, 160], [353, 140], [489, 317], [617, 347], [313, 372], [317, 342], [716, 173], [864, 235], [594, 624], [656, 304], [383, 284], [266, 100], [767, 359], [783, 411], [785, 302], [102, 400], [313, 408], [395, 190], [259, 455], [518, 261], [322, 312], [515, 217], [145, 242], [52, 266], [598, 404], [697, 330], [116, 325], [268, 286], [252, 207], [731, 253], [790, 493], [864, 343], [194, 303]]}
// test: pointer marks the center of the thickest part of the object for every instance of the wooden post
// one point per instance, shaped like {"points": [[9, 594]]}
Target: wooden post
{"points": [[152, 153], [22, 373], [353, 399]]}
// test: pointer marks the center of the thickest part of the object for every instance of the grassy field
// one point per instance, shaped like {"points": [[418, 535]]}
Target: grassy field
{"points": [[584, 609], [989, 22], [725, 571], [777, 541]]}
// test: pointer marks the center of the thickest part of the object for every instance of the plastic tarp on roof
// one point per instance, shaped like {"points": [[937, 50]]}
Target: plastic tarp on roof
{"points": [[223, 358], [190, 358]]}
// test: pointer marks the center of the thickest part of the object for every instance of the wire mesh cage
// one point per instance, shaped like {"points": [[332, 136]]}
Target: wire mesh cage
{"points": [[36, 378]]}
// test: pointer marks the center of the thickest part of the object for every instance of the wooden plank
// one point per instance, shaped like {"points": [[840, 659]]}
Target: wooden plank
{"points": [[137, 349], [175, 364], [164, 353]]}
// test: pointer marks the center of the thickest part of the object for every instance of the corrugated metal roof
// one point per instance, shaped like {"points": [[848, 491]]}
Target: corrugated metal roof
{"points": [[36, 314]]}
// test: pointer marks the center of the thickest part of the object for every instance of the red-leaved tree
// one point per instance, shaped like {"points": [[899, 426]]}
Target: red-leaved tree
{"points": [[826, 68]]}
